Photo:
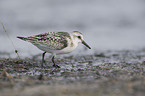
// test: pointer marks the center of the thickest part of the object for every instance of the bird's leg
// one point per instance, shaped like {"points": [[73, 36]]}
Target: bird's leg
{"points": [[43, 61], [54, 65]]}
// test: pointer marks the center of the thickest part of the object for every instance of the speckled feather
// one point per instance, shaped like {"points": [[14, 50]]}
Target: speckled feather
{"points": [[56, 43], [53, 40]]}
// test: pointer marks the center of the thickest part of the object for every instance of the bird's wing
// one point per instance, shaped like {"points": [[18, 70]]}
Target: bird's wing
{"points": [[53, 40]]}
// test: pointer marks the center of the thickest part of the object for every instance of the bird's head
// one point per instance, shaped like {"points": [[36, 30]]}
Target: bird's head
{"points": [[78, 37]]}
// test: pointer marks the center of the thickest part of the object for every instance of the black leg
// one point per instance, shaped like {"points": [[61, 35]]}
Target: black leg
{"points": [[54, 65], [43, 55]]}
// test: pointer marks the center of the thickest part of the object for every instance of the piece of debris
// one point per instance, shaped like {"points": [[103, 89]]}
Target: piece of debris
{"points": [[5, 74]]}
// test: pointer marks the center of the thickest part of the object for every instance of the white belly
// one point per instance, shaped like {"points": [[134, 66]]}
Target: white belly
{"points": [[68, 49]]}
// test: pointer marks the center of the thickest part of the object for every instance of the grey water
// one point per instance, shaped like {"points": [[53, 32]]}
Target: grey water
{"points": [[106, 24]]}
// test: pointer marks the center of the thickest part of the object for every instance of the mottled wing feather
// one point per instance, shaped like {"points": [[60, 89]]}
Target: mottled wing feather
{"points": [[53, 40]]}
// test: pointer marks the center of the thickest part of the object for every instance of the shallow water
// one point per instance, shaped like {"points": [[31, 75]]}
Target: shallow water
{"points": [[105, 24]]}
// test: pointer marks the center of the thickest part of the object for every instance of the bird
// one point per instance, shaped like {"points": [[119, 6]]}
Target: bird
{"points": [[56, 43]]}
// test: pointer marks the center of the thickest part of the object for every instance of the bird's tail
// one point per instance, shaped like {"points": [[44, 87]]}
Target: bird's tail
{"points": [[22, 38], [28, 39]]}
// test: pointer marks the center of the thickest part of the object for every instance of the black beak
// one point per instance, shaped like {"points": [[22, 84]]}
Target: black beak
{"points": [[86, 44]]}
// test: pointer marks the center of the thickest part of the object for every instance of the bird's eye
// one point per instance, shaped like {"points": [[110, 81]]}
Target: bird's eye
{"points": [[79, 37]]}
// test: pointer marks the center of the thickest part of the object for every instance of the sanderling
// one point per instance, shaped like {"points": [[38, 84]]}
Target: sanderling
{"points": [[56, 43]]}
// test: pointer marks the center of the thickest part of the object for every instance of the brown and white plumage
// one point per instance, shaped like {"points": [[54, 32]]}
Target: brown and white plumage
{"points": [[56, 42]]}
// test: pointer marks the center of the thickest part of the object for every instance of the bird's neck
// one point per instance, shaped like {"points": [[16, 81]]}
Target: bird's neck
{"points": [[74, 41]]}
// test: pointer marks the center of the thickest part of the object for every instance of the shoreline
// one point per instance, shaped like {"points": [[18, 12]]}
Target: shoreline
{"points": [[107, 73]]}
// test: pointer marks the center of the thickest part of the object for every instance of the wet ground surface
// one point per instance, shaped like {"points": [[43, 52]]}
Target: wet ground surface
{"points": [[107, 73]]}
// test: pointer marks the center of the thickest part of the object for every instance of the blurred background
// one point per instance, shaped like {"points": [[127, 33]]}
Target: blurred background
{"points": [[106, 24]]}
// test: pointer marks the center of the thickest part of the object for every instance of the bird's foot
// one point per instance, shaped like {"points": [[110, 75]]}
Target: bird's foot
{"points": [[44, 61], [56, 66], [43, 64]]}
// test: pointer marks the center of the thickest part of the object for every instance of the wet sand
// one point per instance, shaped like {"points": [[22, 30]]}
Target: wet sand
{"points": [[107, 73]]}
